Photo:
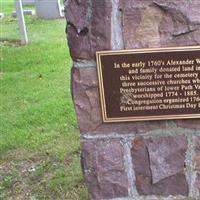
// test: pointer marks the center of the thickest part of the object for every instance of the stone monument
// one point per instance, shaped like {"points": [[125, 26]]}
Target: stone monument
{"points": [[28, 2], [138, 160], [48, 9]]}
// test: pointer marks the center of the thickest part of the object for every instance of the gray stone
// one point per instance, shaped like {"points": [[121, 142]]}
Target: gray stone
{"points": [[26, 12], [48, 9], [28, 2]]}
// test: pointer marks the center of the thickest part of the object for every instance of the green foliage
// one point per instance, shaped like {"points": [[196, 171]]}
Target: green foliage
{"points": [[39, 139]]}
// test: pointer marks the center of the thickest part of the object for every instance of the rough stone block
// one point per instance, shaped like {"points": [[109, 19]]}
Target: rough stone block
{"points": [[89, 27], [163, 165], [160, 23], [197, 161], [87, 102], [103, 164], [197, 153], [189, 124]]}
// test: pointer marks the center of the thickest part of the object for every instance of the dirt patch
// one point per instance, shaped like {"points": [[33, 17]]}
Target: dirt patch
{"points": [[10, 43]]}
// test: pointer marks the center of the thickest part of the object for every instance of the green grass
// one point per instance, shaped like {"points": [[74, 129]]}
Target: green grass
{"points": [[39, 138]]}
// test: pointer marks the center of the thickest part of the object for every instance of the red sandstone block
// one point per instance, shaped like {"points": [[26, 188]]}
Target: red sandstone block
{"points": [[160, 23], [197, 161], [159, 166], [89, 27], [105, 173], [197, 153], [189, 123], [87, 103]]}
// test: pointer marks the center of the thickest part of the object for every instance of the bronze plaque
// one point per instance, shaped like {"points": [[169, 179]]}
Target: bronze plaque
{"points": [[149, 84]]}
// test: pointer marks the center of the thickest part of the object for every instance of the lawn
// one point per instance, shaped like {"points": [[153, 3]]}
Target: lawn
{"points": [[39, 138]]}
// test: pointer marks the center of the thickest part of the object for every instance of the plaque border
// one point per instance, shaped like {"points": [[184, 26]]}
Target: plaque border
{"points": [[137, 51]]}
